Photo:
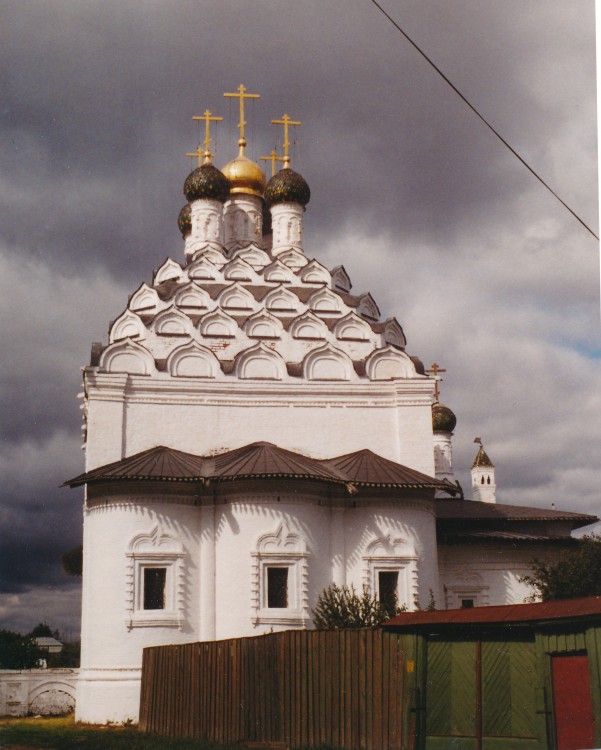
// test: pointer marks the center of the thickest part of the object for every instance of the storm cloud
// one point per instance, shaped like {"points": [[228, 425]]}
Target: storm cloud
{"points": [[487, 273]]}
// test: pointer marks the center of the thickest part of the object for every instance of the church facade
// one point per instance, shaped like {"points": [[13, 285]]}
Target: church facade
{"points": [[255, 432]]}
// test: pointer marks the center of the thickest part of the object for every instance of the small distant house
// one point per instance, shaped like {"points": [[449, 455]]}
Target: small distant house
{"points": [[51, 645]]}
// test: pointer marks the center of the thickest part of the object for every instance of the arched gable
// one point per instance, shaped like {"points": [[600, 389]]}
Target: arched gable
{"points": [[128, 357], [293, 258], [328, 363], [325, 301], [278, 272], [367, 307], [218, 324], [263, 325], [389, 364], [193, 361], [127, 325], [315, 273], [352, 328], [393, 333], [238, 270], [192, 297], [208, 252], [389, 545], [308, 326], [281, 299], [168, 271], [259, 363], [253, 255], [281, 540], [340, 279], [145, 299], [204, 269], [171, 322], [236, 297]]}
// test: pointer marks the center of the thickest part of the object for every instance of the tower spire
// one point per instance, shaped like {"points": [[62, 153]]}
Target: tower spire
{"points": [[206, 117], [286, 122], [242, 95]]}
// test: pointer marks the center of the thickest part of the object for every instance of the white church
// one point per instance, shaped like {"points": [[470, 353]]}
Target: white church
{"points": [[254, 432]]}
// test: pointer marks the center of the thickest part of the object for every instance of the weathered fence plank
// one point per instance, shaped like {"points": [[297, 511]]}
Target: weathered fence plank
{"points": [[298, 688]]}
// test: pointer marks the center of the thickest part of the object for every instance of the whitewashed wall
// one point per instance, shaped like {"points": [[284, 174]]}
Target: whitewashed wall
{"points": [[44, 692]]}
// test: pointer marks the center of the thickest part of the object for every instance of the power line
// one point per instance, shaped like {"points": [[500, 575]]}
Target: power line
{"points": [[481, 117]]}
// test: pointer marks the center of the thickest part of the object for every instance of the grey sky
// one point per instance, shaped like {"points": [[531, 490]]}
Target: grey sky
{"points": [[488, 275]]}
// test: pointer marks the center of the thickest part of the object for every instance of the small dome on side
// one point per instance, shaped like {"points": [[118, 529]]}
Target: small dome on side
{"points": [[443, 419], [207, 181], [287, 186], [184, 220]]}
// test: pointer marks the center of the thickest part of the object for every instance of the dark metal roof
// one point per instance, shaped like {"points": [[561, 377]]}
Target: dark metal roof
{"points": [[368, 468], [514, 613], [261, 460], [460, 510]]}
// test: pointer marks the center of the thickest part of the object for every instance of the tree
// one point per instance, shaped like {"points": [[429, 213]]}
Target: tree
{"points": [[342, 607], [18, 651], [577, 573], [72, 561], [42, 630]]}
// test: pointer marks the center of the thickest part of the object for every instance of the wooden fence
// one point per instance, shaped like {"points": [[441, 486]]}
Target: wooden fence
{"points": [[299, 688]]}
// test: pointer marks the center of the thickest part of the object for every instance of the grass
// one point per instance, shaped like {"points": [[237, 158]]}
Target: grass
{"points": [[62, 733]]}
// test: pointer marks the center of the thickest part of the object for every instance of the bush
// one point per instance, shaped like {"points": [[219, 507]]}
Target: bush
{"points": [[577, 573], [342, 607]]}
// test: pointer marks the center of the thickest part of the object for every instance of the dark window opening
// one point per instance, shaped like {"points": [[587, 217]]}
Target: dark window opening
{"points": [[388, 582], [482, 480], [487, 480], [154, 588], [277, 588], [467, 603]]}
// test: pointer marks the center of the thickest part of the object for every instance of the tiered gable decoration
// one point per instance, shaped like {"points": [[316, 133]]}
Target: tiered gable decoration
{"points": [[256, 431]]}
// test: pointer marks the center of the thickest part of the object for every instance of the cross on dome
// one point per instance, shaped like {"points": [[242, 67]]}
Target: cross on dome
{"points": [[286, 122], [242, 95], [198, 154], [206, 117], [435, 369], [273, 157]]}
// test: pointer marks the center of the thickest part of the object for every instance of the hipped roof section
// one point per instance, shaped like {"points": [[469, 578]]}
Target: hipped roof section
{"points": [[263, 460]]}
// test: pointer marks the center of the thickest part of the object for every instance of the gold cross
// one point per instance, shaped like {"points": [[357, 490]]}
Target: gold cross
{"points": [[435, 370], [273, 157], [198, 154], [208, 120], [286, 121], [242, 95]]}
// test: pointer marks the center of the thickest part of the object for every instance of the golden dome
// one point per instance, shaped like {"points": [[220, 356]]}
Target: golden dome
{"points": [[244, 175]]}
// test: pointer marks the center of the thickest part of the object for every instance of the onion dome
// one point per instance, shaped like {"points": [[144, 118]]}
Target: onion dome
{"points": [[184, 220], [443, 419], [245, 177], [206, 182], [287, 186]]}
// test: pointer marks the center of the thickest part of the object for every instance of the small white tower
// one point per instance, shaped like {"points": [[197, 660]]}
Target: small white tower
{"points": [[483, 477]]}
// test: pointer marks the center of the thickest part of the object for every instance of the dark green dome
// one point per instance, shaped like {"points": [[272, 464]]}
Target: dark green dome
{"points": [[207, 182], [443, 419], [287, 186], [184, 220]]}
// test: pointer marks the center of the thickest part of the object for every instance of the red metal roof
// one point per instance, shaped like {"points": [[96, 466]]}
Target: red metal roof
{"points": [[514, 613]]}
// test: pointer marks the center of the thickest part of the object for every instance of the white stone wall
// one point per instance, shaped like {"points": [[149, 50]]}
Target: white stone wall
{"points": [[43, 692], [220, 590]]}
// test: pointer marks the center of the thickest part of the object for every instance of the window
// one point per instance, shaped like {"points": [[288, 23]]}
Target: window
{"points": [[154, 588], [155, 581], [467, 603], [277, 588], [279, 592], [388, 582]]}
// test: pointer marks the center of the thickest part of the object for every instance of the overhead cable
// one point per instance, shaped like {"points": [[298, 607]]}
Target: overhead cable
{"points": [[481, 117]]}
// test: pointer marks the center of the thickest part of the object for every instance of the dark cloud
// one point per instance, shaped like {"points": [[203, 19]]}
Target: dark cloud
{"points": [[422, 204]]}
